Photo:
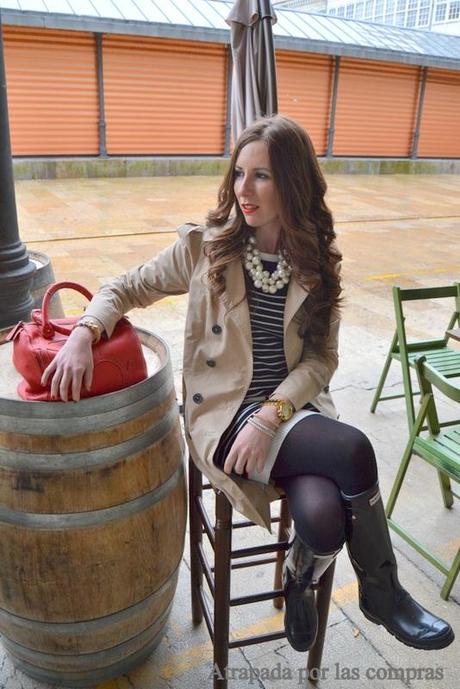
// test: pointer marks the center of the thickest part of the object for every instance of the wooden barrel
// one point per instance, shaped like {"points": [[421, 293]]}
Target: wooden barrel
{"points": [[92, 525], [41, 280]]}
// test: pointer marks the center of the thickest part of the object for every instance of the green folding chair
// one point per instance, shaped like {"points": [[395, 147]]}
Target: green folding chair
{"points": [[443, 358], [438, 446]]}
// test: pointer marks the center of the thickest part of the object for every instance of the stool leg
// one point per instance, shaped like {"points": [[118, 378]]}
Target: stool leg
{"points": [[323, 599], [222, 571], [283, 535], [195, 481]]}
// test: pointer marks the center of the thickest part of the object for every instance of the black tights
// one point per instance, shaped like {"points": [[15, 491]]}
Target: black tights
{"points": [[318, 458]]}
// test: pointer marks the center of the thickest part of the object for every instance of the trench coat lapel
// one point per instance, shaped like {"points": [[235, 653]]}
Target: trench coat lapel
{"points": [[234, 297], [295, 296]]}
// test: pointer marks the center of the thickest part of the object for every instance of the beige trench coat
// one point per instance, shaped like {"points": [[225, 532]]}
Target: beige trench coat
{"points": [[219, 329]]}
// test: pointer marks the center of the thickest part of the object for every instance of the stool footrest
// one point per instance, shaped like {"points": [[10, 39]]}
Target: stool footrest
{"points": [[260, 639], [260, 549], [256, 597], [244, 524], [254, 563]]}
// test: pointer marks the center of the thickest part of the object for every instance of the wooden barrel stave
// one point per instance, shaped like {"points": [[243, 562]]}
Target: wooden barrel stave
{"points": [[51, 425], [81, 679], [120, 473], [89, 635], [85, 665], [124, 548]]}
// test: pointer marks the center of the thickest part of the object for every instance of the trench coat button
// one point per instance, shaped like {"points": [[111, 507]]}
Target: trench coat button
{"points": [[211, 363], [216, 329], [197, 398], [326, 389]]}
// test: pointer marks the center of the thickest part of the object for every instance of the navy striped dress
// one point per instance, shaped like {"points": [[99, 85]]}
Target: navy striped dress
{"points": [[266, 312]]}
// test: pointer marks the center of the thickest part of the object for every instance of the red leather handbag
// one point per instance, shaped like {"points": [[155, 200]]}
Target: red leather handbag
{"points": [[118, 361]]}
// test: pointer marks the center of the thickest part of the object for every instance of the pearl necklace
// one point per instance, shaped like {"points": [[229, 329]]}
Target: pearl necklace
{"points": [[263, 279]]}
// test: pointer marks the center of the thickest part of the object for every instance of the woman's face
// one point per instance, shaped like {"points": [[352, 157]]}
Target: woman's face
{"points": [[255, 189]]}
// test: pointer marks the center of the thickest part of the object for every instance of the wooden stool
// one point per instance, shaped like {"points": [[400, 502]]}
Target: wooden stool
{"points": [[218, 576]]}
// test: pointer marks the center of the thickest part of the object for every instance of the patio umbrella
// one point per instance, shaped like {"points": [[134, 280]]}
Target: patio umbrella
{"points": [[254, 73]]}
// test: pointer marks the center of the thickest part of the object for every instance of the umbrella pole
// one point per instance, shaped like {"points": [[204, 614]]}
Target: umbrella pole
{"points": [[16, 270]]}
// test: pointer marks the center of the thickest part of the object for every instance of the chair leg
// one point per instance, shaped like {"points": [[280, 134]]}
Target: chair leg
{"points": [[323, 599], [446, 489], [196, 536], [383, 375], [283, 535], [407, 455], [222, 570], [408, 393], [451, 577]]}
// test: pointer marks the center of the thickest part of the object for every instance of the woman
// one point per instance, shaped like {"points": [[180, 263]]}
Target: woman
{"points": [[260, 350]]}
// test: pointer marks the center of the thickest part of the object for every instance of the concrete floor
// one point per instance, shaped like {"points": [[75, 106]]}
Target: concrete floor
{"points": [[392, 230]]}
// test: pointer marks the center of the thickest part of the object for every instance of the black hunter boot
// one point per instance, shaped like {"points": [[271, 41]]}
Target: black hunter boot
{"points": [[302, 568], [382, 599]]}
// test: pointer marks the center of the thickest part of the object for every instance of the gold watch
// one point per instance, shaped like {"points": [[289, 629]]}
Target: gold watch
{"points": [[284, 408]]}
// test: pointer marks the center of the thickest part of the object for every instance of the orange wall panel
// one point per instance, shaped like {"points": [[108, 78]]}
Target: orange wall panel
{"points": [[52, 92], [376, 108], [164, 96], [440, 125], [304, 92], [169, 97]]}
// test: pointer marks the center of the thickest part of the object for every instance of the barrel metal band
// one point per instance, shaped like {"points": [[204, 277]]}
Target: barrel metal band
{"points": [[97, 517], [103, 457], [92, 419], [25, 657]]}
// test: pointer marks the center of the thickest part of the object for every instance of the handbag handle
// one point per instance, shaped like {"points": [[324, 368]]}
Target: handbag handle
{"points": [[41, 318]]}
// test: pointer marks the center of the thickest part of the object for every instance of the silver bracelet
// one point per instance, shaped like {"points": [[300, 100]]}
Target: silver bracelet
{"points": [[262, 424], [261, 427]]}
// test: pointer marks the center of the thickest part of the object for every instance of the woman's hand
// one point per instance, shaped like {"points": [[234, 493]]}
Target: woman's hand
{"points": [[249, 451], [72, 366]]}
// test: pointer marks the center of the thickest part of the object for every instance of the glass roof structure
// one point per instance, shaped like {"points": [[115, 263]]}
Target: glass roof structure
{"points": [[204, 20]]}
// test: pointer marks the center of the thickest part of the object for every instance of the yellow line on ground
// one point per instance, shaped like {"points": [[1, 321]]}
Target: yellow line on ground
{"points": [[172, 230], [386, 276], [264, 626], [183, 662], [200, 654], [197, 655], [424, 218], [449, 548], [118, 683], [115, 235], [392, 276], [346, 593]]}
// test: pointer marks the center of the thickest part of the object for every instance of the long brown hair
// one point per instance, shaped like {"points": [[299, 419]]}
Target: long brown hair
{"points": [[307, 227]]}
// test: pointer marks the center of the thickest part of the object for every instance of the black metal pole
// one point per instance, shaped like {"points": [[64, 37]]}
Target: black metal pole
{"points": [[16, 270]]}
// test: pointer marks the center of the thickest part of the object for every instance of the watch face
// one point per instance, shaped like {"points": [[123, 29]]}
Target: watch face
{"points": [[286, 411]]}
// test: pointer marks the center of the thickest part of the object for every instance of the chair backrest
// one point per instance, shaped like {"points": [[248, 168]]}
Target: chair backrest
{"points": [[401, 295], [429, 377]]}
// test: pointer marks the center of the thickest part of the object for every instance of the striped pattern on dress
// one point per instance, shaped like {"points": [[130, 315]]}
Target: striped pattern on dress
{"points": [[266, 313]]}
